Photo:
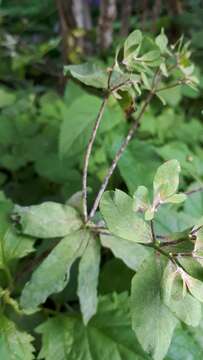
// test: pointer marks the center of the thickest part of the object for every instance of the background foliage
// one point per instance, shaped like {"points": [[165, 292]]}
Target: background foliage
{"points": [[46, 118]]}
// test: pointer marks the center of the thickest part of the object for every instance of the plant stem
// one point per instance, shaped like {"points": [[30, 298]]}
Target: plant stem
{"points": [[118, 155], [91, 143], [183, 254], [171, 243], [171, 86], [9, 276], [88, 153], [117, 87], [190, 192], [125, 143], [169, 256], [153, 232]]}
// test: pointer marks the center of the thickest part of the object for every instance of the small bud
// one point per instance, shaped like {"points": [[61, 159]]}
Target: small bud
{"points": [[190, 158], [192, 237]]}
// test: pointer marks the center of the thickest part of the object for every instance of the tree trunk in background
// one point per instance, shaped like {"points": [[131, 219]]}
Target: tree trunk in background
{"points": [[107, 16], [175, 7], [74, 14], [81, 10], [155, 13], [125, 17], [66, 24], [145, 12]]}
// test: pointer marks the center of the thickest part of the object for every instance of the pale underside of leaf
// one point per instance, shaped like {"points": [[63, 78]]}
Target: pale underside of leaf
{"points": [[47, 220], [121, 220], [152, 321], [131, 253], [53, 274], [88, 279]]}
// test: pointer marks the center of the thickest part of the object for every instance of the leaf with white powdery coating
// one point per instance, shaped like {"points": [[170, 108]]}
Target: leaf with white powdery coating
{"points": [[141, 199], [89, 74], [131, 253], [166, 179], [12, 245], [152, 321], [88, 279], [53, 274], [48, 220], [195, 286], [121, 220], [184, 306], [132, 42]]}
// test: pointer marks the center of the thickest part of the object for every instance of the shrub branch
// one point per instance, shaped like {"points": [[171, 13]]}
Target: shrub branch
{"points": [[124, 145]]}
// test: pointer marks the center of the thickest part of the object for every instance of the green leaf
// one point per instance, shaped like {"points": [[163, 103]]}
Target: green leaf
{"points": [[152, 321], [186, 344], [195, 286], [48, 220], [107, 336], [190, 163], [149, 214], [131, 253], [7, 98], [193, 205], [138, 157], [15, 246], [132, 41], [166, 180], [171, 96], [115, 276], [176, 198], [198, 248], [88, 279], [56, 169], [80, 117], [141, 199], [12, 245], [53, 274], [150, 56], [168, 221], [162, 42], [121, 220], [185, 307], [88, 74], [14, 344]]}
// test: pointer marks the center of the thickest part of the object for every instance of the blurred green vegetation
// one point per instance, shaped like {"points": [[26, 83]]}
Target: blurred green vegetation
{"points": [[39, 107]]}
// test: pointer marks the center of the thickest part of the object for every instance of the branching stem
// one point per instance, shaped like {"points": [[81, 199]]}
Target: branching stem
{"points": [[119, 153], [171, 86], [190, 192]]}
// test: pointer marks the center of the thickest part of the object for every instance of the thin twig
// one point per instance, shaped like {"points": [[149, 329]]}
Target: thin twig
{"points": [[153, 232], [171, 86], [194, 231], [190, 192], [171, 243], [88, 153], [91, 143], [117, 87], [123, 146], [183, 254], [169, 256]]}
